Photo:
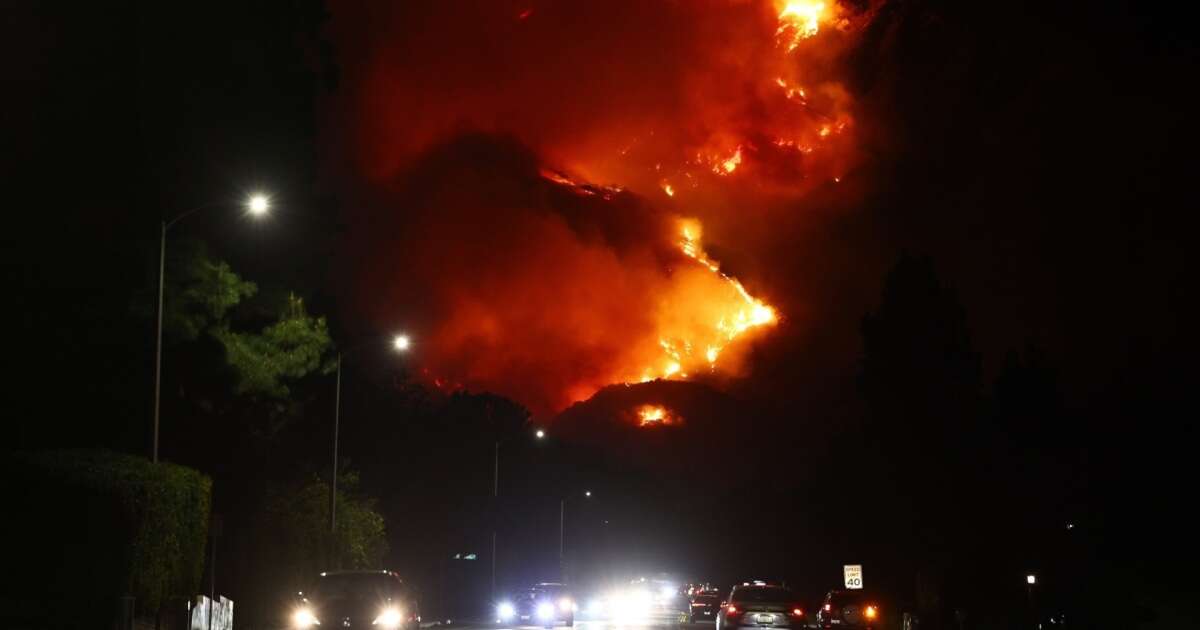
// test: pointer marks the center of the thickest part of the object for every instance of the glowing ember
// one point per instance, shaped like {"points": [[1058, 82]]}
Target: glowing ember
{"points": [[667, 188], [655, 415], [799, 21], [731, 163], [793, 93]]}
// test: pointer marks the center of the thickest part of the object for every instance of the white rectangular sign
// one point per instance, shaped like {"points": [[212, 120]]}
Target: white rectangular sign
{"points": [[853, 575]]}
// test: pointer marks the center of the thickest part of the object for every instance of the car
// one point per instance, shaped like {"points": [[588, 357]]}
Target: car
{"points": [[545, 604], [761, 605], [357, 599], [848, 609], [704, 606]]}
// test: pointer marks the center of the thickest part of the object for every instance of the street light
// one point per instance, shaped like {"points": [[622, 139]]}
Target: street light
{"points": [[337, 417], [562, 519], [1030, 581], [539, 434], [256, 206]]}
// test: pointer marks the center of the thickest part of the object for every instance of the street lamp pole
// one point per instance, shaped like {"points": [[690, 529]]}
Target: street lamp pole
{"points": [[539, 434], [162, 265], [400, 343], [256, 205], [562, 519], [496, 505], [337, 419]]}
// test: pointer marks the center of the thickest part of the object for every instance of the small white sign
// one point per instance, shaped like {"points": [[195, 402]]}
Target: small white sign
{"points": [[853, 575]]}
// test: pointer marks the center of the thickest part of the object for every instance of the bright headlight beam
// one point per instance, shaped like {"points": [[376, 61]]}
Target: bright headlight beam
{"points": [[303, 618], [389, 618]]}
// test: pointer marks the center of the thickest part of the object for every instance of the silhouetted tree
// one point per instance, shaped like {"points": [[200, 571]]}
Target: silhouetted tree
{"points": [[920, 378]]}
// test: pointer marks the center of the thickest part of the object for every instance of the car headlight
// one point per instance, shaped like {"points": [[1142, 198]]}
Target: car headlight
{"points": [[565, 604], [545, 610], [389, 618], [595, 607], [505, 611], [303, 618]]}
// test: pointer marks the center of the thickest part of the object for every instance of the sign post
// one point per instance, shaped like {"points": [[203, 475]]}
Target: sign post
{"points": [[853, 576]]}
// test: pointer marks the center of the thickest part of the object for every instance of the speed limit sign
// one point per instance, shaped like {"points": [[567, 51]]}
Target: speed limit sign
{"points": [[853, 575]]}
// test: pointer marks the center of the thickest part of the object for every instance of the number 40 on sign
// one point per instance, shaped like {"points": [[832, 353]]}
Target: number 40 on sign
{"points": [[853, 575]]}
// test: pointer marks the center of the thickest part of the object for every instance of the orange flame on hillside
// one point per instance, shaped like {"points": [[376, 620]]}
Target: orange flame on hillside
{"points": [[704, 316], [551, 295], [655, 415], [798, 21]]}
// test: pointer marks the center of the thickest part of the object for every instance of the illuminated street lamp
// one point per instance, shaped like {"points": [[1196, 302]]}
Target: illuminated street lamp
{"points": [[257, 205], [562, 519], [400, 343], [539, 434], [1030, 581]]}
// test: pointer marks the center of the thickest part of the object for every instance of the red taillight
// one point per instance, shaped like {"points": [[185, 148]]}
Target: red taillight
{"points": [[797, 612], [828, 607], [731, 610]]}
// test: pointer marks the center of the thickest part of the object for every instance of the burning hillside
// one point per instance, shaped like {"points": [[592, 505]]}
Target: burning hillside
{"points": [[564, 244]]}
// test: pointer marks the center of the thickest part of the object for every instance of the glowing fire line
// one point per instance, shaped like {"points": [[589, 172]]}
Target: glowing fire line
{"points": [[752, 313]]}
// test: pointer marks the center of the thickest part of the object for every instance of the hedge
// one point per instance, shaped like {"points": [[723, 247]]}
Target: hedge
{"points": [[94, 525]]}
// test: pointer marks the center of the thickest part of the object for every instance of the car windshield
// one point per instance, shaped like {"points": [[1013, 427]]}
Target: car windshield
{"points": [[707, 599], [763, 594], [551, 590], [356, 585]]}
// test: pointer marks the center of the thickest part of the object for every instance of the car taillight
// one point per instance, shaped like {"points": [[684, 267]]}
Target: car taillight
{"points": [[796, 612], [871, 612], [827, 607], [731, 610]]}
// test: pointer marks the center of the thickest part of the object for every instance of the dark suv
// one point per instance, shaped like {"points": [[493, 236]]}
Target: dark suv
{"points": [[761, 606], [357, 599], [848, 609], [704, 606]]}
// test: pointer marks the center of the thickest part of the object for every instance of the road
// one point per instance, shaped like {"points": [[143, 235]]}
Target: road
{"points": [[656, 622]]}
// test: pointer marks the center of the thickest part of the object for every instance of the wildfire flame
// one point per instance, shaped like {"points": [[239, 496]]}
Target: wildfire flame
{"points": [[655, 415], [687, 348], [798, 21], [552, 297]]}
